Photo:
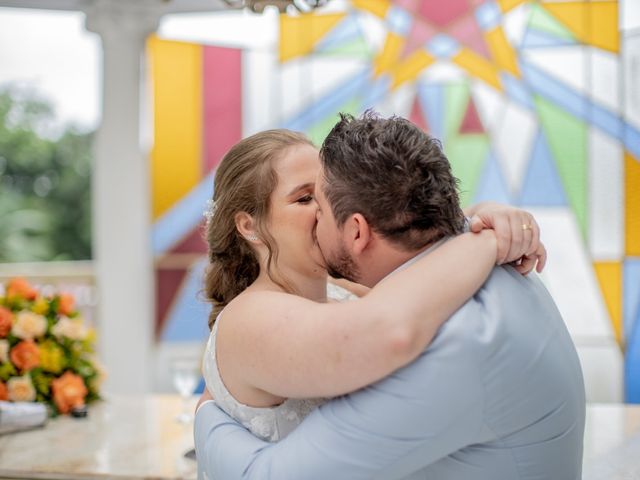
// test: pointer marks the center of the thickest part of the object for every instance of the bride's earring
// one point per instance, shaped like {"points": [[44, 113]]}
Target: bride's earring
{"points": [[251, 237]]}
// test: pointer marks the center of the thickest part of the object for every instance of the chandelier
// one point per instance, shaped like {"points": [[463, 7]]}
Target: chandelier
{"points": [[258, 6]]}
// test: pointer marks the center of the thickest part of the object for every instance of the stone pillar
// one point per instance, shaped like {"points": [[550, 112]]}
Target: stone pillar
{"points": [[121, 198]]}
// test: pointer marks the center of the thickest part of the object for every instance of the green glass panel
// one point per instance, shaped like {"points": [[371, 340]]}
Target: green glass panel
{"points": [[467, 155], [357, 48], [456, 100], [318, 132], [567, 138]]}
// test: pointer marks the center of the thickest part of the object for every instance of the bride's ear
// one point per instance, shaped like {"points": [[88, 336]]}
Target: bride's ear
{"points": [[246, 226]]}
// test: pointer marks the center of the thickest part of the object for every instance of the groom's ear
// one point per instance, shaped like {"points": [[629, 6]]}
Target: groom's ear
{"points": [[358, 233]]}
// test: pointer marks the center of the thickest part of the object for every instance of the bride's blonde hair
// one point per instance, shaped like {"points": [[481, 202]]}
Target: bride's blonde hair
{"points": [[244, 182]]}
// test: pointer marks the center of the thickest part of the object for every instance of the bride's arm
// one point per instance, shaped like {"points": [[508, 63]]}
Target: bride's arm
{"points": [[509, 224], [292, 347]]}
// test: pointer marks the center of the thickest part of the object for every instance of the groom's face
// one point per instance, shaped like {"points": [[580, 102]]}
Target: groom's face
{"points": [[340, 264]]}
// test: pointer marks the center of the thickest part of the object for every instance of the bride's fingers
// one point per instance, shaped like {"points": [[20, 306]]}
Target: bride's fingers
{"points": [[525, 265], [541, 254], [528, 235], [476, 224], [516, 249], [502, 227], [535, 237], [536, 260]]}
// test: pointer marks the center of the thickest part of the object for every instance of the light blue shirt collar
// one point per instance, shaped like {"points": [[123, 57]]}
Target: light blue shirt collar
{"points": [[417, 257], [420, 255]]}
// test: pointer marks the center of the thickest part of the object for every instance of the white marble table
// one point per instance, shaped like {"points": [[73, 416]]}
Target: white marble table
{"points": [[612, 442], [129, 437], [138, 438]]}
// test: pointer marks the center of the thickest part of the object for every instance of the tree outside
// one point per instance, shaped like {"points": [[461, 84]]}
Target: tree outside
{"points": [[45, 182]]}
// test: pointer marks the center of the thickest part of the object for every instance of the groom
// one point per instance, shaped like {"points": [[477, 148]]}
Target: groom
{"points": [[499, 393]]}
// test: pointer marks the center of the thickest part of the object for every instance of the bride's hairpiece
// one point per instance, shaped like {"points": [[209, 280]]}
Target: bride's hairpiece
{"points": [[211, 210]]}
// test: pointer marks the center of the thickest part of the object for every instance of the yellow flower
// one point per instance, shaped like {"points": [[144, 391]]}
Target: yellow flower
{"points": [[51, 357], [40, 306], [29, 325], [73, 329], [21, 389], [92, 335], [101, 373]]}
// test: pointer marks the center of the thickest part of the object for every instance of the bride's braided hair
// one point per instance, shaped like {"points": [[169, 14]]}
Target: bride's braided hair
{"points": [[244, 182]]}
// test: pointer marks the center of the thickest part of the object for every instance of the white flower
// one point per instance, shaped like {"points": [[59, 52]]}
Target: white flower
{"points": [[21, 389], [4, 351], [29, 325], [73, 329], [210, 210]]}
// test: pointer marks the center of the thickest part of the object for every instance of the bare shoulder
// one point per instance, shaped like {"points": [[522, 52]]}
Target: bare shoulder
{"points": [[257, 300], [261, 307]]}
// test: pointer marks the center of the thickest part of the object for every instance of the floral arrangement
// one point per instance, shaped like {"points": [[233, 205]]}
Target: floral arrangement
{"points": [[46, 351]]}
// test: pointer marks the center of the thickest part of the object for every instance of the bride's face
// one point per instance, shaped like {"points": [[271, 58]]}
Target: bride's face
{"points": [[292, 219]]}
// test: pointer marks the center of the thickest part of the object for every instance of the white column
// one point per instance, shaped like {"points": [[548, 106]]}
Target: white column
{"points": [[121, 199]]}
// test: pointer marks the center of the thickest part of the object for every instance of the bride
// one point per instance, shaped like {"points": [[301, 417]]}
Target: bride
{"points": [[278, 344]]}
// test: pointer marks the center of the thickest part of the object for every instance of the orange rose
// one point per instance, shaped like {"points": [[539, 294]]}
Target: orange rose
{"points": [[4, 393], [66, 303], [25, 355], [19, 287], [6, 321], [69, 392]]}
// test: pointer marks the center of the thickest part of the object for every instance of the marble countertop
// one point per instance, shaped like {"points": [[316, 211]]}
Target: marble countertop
{"points": [[612, 442], [138, 437], [131, 437]]}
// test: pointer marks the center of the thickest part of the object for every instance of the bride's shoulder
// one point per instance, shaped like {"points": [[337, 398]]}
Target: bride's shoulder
{"points": [[253, 302]]}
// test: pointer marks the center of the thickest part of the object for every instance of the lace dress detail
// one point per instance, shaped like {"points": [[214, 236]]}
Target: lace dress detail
{"points": [[269, 423]]}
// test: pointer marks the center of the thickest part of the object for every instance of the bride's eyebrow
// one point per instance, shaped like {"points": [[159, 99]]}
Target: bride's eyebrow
{"points": [[304, 186]]}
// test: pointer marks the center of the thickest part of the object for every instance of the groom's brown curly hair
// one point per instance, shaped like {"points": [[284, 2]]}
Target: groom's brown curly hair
{"points": [[395, 175]]}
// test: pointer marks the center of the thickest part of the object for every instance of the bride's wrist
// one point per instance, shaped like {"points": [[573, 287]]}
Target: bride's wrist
{"points": [[490, 241]]}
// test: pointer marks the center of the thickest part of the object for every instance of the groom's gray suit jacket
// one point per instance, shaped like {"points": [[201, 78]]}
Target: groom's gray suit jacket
{"points": [[498, 395]]}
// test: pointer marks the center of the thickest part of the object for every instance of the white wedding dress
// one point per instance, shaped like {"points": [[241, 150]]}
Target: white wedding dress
{"points": [[268, 423]]}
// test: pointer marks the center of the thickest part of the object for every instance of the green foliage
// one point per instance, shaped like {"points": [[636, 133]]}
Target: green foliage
{"points": [[45, 195], [7, 370], [41, 381]]}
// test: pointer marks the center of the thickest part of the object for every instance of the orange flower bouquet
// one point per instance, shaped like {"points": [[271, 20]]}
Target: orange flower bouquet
{"points": [[46, 351]]}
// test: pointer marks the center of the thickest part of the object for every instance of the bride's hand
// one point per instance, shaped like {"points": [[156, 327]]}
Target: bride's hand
{"points": [[517, 233], [206, 396]]}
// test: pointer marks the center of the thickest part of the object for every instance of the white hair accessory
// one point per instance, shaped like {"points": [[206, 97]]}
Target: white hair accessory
{"points": [[210, 211]]}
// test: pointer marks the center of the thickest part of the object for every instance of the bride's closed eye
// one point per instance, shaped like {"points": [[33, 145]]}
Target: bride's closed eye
{"points": [[305, 199]]}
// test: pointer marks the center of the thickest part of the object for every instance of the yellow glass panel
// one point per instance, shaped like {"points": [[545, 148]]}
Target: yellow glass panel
{"points": [[411, 67], [478, 67], [299, 35], [632, 204], [573, 15], [501, 51], [176, 157], [610, 278], [377, 7], [603, 31], [506, 5], [389, 55]]}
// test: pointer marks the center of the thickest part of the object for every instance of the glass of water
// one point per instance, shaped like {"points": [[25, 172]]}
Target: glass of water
{"points": [[185, 373]]}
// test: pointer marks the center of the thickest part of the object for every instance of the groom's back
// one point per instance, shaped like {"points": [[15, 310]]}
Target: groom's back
{"points": [[530, 388]]}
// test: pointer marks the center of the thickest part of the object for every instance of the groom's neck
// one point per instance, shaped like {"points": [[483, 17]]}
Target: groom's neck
{"points": [[383, 260]]}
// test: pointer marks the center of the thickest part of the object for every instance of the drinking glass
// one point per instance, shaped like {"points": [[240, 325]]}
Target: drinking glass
{"points": [[185, 373]]}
